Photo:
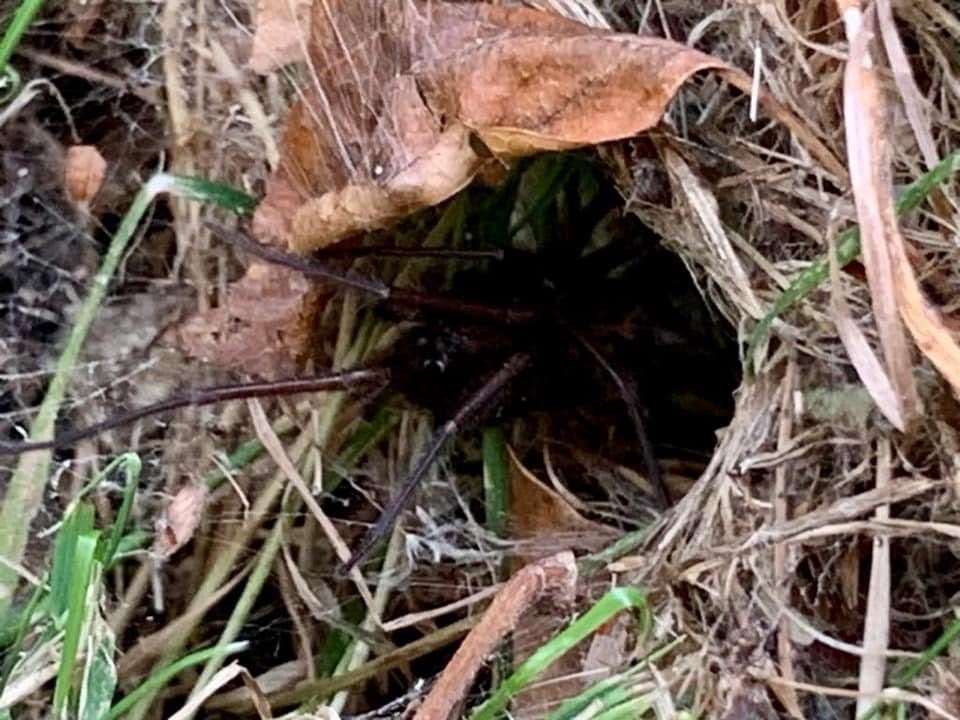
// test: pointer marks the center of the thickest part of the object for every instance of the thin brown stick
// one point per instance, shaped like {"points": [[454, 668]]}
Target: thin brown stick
{"points": [[555, 576]]}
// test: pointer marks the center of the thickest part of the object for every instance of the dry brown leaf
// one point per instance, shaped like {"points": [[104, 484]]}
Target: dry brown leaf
{"points": [[551, 91], [180, 519], [441, 172], [524, 81], [542, 517], [83, 173], [278, 38], [262, 325]]}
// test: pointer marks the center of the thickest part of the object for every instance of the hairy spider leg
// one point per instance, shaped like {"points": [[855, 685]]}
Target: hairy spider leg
{"points": [[208, 396], [336, 251], [473, 405], [435, 302]]}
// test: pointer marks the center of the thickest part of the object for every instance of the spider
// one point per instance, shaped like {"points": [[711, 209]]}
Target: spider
{"points": [[518, 332]]}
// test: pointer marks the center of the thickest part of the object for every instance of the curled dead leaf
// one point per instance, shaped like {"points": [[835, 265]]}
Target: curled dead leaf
{"points": [[438, 174], [524, 95], [84, 171], [176, 526]]}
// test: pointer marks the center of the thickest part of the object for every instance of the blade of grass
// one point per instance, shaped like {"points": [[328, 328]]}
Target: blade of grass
{"points": [[130, 463], [22, 18], [84, 564], [848, 249], [23, 625], [609, 605], [590, 564], [495, 488], [99, 674], [79, 521], [612, 691], [25, 490], [159, 679]]}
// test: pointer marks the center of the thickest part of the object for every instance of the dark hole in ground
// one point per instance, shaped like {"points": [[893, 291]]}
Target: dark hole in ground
{"points": [[597, 275]]}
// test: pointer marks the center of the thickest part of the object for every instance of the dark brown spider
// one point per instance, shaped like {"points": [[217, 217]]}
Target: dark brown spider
{"points": [[532, 315]]}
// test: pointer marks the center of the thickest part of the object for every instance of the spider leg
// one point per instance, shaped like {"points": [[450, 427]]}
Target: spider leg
{"points": [[474, 404], [435, 302], [208, 396], [336, 251], [630, 399]]}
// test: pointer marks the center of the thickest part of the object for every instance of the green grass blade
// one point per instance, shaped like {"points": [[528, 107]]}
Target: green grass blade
{"points": [[590, 564], [23, 625], [80, 596], [629, 710], [496, 489], [25, 490], [609, 692], [22, 18], [130, 463], [78, 522], [366, 436], [224, 196], [164, 675], [848, 249], [613, 691], [908, 674], [609, 605]]}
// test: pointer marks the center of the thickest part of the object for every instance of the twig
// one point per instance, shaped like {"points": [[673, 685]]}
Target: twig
{"points": [[555, 575], [69, 67]]}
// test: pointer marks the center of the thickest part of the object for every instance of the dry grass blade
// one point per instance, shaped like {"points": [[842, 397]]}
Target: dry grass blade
{"points": [[273, 446], [932, 335], [876, 622], [893, 282], [913, 102], [868, 157], [221, 678], [781, 550], [868, 366]]}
